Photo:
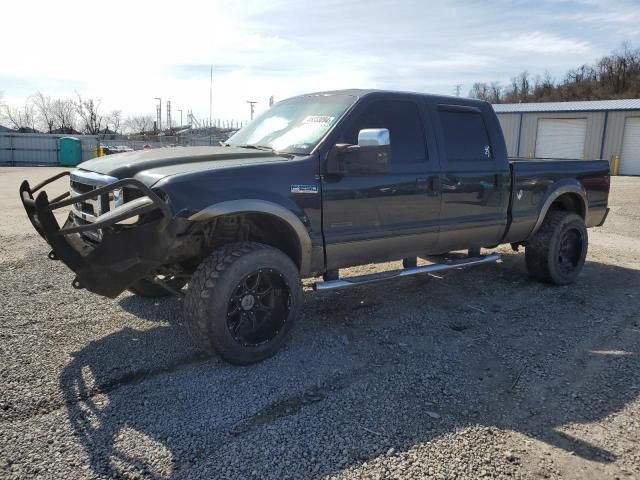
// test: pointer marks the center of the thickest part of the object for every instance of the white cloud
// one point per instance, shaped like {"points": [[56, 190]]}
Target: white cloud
{"points": [[538, 42], [127, 52]]}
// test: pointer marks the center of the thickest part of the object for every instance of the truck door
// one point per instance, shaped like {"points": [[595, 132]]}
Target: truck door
{"points": [[475, 183], [378, 217]]}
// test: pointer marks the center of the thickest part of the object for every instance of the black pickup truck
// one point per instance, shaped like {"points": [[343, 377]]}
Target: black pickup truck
{"points": [[316, 183]]}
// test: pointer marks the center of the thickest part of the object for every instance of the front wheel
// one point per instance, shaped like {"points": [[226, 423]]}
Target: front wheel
{"points": [[242, 302], [556, 253]]}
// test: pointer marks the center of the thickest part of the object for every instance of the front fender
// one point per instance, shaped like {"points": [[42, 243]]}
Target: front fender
{"points": [[263, 206]]}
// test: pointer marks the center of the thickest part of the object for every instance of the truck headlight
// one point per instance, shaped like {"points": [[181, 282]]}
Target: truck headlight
{"points": [[116, 198]]}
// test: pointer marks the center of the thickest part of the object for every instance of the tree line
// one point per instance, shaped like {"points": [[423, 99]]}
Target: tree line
{"points": [[614, 76], [43, 113]]}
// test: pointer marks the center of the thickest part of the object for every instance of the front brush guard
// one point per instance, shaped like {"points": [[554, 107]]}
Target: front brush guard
{"points": [[123, 256]]}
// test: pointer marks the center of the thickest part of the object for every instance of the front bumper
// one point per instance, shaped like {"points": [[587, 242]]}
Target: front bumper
{"points": [[125, 254]]}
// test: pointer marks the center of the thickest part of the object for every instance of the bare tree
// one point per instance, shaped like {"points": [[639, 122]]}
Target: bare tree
{"points": [[64, 114], [480, 90], [44, 109], [22, 118], [139, 124], [114, 120], [495, 92], [614, 76], [89, 112]]}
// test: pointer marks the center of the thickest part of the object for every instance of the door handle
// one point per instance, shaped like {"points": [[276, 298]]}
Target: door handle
{"points": [[450, 182], [431, 184]]}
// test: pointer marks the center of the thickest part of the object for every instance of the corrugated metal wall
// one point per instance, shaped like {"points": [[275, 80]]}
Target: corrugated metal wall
{"points": [[615, 132], [615, 122], [510, 123], [38, 149]]}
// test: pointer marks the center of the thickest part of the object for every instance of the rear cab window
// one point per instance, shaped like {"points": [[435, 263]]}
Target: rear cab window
{"points": [[466, 138]]}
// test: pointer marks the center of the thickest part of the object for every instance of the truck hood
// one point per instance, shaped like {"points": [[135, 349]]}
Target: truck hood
{"points": [[149, 166]]}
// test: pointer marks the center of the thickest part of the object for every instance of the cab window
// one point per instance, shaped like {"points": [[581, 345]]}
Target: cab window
{"points": [[402, 119]]}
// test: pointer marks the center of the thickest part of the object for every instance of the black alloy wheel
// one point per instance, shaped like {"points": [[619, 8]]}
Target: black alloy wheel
{"points": [[570, 251], [259, 308]]}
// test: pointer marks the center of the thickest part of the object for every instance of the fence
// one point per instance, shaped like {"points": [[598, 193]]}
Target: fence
{"points": [[31, 149], [170, 141], [39, 149]]}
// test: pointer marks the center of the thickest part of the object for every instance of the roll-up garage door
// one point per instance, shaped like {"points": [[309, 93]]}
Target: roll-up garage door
{"points": [[561, 137], [630, 158]]}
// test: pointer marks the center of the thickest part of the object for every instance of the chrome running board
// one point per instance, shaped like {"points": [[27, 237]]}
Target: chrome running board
{"points": [[407, 272]]}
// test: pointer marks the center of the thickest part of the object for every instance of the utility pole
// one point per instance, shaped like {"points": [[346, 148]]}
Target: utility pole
{"points": [[159, 113], [210, 96], [251, 106], [458, 89], [169, 115], [179, 110], [271, 101]]}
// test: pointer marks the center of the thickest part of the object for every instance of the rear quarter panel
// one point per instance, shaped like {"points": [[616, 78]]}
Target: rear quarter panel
{"points": [[535, 181]]}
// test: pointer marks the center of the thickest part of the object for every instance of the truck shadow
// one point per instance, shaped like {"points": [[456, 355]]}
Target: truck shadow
{"points": [[487, 348]]}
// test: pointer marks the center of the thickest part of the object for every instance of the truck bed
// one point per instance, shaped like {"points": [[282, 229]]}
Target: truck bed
{"points": [[533, 181]]}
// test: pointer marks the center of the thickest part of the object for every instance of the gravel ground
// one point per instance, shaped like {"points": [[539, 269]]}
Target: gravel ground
{"points": [[477, 374]]}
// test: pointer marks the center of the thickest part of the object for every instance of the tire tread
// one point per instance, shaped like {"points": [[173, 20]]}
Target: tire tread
{"points": [[203, 285], [537, 249]]}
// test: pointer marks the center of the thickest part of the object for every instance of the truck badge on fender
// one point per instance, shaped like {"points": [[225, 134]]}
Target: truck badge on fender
{"points": [[304, 189]]}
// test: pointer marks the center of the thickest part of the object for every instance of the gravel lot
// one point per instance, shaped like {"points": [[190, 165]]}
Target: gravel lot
{"points": [[477, 374]]}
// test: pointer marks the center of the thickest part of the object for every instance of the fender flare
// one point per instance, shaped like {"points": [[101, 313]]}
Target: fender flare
{"points": [[556, 191], [231, 207]]}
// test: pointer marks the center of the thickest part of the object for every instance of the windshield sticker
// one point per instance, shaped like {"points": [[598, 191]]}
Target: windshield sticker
{"points": [[318, 119], [304, 189]]}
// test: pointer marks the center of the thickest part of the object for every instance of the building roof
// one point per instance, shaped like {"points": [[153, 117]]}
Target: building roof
{"points": [[586, 106]]}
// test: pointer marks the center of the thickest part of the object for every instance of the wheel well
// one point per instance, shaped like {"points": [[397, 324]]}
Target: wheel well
{"points": [[569, 202], [251, 226]]}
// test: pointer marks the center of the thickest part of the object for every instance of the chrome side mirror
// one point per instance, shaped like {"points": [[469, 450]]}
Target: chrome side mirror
{"points": [[373, 137], [372, 155]]}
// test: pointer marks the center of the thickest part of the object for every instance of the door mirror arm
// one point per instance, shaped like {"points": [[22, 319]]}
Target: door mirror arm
{"points": [[346, 147], [372, 155]]}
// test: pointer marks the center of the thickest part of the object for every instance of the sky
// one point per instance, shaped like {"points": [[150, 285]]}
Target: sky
{"points": [[125, 53]]}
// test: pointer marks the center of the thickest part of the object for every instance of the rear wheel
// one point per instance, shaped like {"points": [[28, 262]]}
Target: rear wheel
{"points": [[557, 252], [242, 302]]}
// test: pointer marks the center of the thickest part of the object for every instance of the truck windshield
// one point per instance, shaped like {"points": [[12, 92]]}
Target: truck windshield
{"points": [[295, 125]]}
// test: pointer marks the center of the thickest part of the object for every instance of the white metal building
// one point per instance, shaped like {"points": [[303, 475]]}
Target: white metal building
{"points": [[599, 129]]}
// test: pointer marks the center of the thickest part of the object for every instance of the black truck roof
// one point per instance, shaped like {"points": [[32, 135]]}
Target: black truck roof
{"points": [[363, 92]]}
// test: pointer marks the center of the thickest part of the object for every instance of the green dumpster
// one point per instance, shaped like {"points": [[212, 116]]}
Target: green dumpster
{"points": [[69, 151]]}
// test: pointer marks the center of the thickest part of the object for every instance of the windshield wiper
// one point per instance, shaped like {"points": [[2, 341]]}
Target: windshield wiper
{"points": [[256, 147], [266, 149]]}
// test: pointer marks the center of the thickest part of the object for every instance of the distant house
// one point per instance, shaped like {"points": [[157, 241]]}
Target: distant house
{"points": [[5, 129], [65, 131], [107, 134]]}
